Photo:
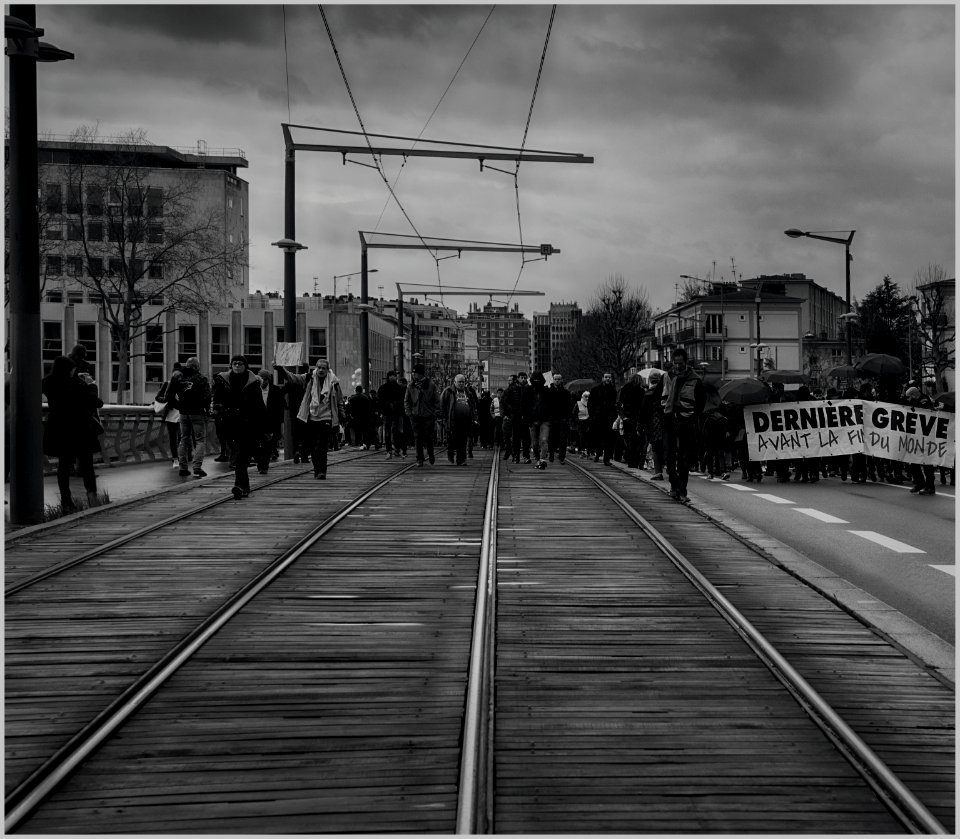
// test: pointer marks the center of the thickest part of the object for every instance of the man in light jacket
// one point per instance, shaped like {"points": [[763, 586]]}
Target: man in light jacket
{"points": [[321, 409]]}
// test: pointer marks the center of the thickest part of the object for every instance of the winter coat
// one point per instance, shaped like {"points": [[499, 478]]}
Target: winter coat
{"points": [[390, 396], [651, 413], [71, 426], [338, 406], [513, 403], [564, 404], [276, 408], [242, 407], [190, 393], [536, 403], [683, 395], [630, 400], [421, 400], [449, 406], [603, 404]]}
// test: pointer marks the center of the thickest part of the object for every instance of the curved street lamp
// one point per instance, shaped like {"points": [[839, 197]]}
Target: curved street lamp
{"points": [[794, 233]]}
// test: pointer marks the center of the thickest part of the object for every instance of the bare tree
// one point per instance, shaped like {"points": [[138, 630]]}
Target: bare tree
{"points": [[134, 243], [607, 338], [937, 331]]}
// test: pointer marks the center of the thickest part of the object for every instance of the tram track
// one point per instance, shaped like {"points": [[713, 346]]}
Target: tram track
{"points": [[492, 671]]}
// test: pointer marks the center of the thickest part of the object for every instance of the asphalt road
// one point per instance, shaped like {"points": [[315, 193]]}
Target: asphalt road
{"points": [[898, 547]]}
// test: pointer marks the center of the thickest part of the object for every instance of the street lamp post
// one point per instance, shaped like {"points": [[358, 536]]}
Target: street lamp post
{"points": [[793, 233], [289, 246], [25, 49]]}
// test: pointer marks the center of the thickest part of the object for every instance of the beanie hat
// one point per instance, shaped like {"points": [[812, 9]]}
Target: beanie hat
{"points": [[419, 368], [242, 358]]}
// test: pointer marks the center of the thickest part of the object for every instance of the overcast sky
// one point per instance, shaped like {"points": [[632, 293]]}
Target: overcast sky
{"points": [[714, 128]]}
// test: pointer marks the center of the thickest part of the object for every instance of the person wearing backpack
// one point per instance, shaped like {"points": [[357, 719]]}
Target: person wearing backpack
{"points": [[190, 392]]}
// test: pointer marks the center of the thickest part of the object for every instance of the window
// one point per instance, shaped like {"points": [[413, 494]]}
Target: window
{"points": [[94, 267], [74, 266], [53, 199], [95, 201], [135, 202], [155, 234], [153, 354], [219, 346], [742, 317], [154, 202], [54, 266], [73, 198], [186, 342], [53, 229], [714, 324], [115, 369], [715, 354], [55, 296], [116, 200], [155, 271], [155, 300], [279, 334], [253, 345], [94, 231], [138, 268], [74, 231], [742, 350], [87, 338], [114, 230], [75, 295], [116, 267], [51, 337], [317, 346]]}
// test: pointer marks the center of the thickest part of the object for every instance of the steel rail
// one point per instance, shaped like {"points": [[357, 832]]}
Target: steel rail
{"points": [[891, 791], [473, 753], [67, 564], [23, 799]]}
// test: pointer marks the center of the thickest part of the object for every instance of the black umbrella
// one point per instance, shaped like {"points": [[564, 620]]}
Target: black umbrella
{"points": [[881, 365], [842, 371], [784, 377], [745, 392]]}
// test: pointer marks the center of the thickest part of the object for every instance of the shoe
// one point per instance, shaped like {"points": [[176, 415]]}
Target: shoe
{"points": [[541, 464], [596, 459], [657, 477], [322, 476], [261, 471], [562, 461], [389, 455], [419, 462], [432, 460], [710, 477], [224, 458], [927, 492], [725, 476], [461, 463], [176, 465], [527, 460], [683, 499], [915, 490], [551, 458], [199, 473], [184, 473], [237, 493], [606, 462], [674, 495]]}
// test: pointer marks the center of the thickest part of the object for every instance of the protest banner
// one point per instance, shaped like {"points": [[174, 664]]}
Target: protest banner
{"points": [[909, 435], [820, 428], [290, 354]]}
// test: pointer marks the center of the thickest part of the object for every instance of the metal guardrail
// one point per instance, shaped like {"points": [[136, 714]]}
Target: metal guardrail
{"points": [[133, 434]]}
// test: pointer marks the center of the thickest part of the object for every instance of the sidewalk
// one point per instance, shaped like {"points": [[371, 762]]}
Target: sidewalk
{"points": [[124, 482]]}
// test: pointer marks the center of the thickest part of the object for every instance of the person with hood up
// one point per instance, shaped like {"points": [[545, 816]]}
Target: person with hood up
{"points": [[538, 408], [245, 418], [421, 403], [321, 410], [461, 415], [71, 431]]}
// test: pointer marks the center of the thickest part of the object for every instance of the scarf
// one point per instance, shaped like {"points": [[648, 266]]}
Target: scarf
{"points": [[317, 393]]}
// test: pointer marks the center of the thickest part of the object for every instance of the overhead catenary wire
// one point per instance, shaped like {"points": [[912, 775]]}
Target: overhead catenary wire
{"points": [[363, 128], [526, 130]]}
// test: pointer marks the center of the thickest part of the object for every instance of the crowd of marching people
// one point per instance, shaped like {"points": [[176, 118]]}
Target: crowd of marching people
{"points": [[661, 422]]}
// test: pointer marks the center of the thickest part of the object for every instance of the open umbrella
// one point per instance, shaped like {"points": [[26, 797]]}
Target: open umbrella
{"points": [[784, 377], [881, 365], [745, 392], [842, 371], [645, 373], [580, 385], [712, 393]]}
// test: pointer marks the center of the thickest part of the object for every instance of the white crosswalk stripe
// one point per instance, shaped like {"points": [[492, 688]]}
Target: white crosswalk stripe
{"points": [[947, 569], [774, 499], [819, 516]]}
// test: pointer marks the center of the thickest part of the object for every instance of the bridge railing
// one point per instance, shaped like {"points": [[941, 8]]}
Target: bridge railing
{"points": [[133, 434]]}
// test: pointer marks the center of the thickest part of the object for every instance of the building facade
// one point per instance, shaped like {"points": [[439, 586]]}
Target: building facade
{"points": [[501, 330], [551, 332]]}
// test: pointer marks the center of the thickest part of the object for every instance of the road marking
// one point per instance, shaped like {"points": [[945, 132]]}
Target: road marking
{"points": [[947, 569], [741, 488], [775, 499], [824, 517], [887, 542]]}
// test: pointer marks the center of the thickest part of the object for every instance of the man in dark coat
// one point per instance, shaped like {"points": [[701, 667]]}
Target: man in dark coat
{"points": [[538, 409], [360, 409], [683, 401], [421, 403], [563, 407], [460, 410], [276, 407], [485, 419], [71, 432], [245, 418], [629, 404], [189, 391], [513, 405], [603, 413], [390, 397]]}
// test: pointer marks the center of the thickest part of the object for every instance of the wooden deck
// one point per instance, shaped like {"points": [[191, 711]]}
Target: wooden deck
{"points": [[333, 702]]}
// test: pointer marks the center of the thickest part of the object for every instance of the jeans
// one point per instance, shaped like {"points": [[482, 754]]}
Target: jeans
{"points": [[393, 435], [540, 439], [559, 430], [192, 426], [679, 442], [423, 435], [65, 465], [521, 438], [318, 442]]}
